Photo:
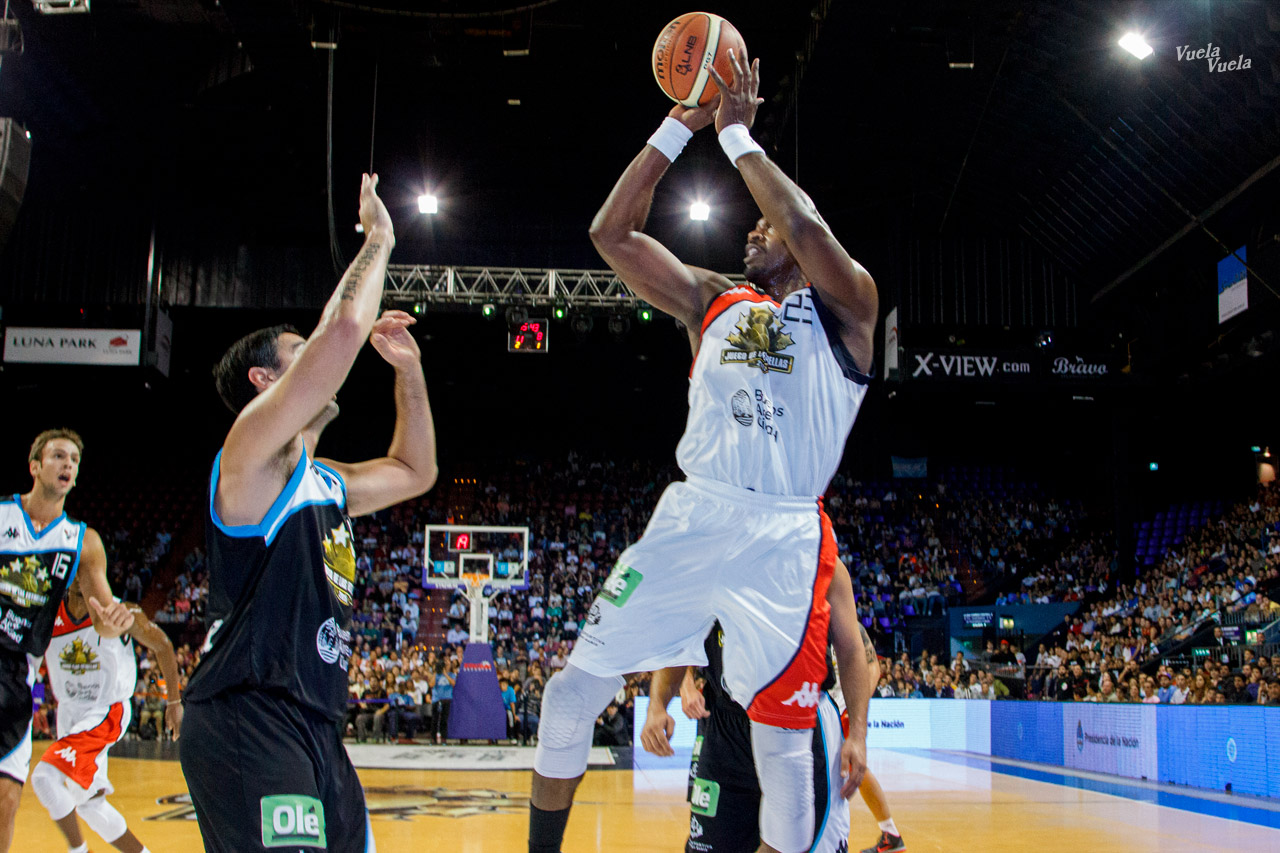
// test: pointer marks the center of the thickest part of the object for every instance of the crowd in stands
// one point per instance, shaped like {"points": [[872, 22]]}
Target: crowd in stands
{"points": [[908, 548]]}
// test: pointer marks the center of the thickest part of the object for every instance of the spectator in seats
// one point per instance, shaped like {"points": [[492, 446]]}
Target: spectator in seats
{"points": [[533, 687], [509, 703], [959, 666], [985, 688], [371, 719], [1271, 696], [885, 690], [1199, 694], [611, 728], [927, 689], [1107, 690], [1134, 693], [1165, 693], [1180, 690], [402, 711]]}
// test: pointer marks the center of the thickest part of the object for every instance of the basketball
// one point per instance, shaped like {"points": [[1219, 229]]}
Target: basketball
{"points": [[685, 51]]}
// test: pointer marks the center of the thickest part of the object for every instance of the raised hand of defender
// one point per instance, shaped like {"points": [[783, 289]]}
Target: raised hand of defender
{"points": [[853, 765], [658, 728], [373, 213], [696, 118], [738, 101], [112, 620], [392, 340]]}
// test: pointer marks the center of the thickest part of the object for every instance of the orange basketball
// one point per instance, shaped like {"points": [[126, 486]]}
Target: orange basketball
{"points": [[685, 51]]}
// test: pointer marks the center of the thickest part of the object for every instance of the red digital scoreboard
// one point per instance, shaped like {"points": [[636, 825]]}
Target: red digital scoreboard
{"points": [[533, 335], [459, 541]]}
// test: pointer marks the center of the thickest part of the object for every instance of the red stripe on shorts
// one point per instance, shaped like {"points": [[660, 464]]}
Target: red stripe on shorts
{"points": [[77, 755], [790, 701]]}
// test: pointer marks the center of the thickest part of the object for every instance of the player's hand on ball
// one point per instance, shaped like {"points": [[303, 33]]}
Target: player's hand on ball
{"points": [[392, 340], [697, 118], [373, 213], [738, 101], [111, 621], [173, 718], [853, 765], [658, 729]]}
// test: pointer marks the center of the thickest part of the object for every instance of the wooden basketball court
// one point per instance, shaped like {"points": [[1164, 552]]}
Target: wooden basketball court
{"points": [[940, 805]]}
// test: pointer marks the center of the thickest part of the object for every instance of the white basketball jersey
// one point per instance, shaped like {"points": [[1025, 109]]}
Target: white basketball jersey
{"points": [[772, 396], [87, 672]]}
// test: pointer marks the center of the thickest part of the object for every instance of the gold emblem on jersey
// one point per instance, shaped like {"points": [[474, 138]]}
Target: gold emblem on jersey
{"points": [[340, 562], [77, 658], [26, 581], [758, 340]]}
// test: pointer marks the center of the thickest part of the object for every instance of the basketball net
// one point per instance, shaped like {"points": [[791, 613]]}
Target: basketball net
{"points": [[476, 582]]}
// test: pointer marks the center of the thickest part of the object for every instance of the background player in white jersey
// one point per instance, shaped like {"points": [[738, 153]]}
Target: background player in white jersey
{"points": [[744, 539], [93, 680], [724, 796], [41, 551]]}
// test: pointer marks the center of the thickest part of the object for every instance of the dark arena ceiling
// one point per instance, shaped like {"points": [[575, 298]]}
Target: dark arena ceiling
{"points": [[909, 122]]}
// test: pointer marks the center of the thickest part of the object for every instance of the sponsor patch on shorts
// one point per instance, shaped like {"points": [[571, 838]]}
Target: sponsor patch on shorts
{"points": [[292, 820], [705, 797], [622, 581]]}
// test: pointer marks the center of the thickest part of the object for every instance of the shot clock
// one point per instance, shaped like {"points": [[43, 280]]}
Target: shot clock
{"points": [[533, 335]]}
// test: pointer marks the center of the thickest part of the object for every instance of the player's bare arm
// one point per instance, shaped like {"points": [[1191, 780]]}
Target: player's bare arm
{"points": [[148, 634], [113, 618], [409, 468], [645, 265], [845, 287], [851, 661], [658, 728], [252, 470]]}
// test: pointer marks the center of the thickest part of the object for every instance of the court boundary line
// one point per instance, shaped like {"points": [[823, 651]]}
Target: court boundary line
{"points": [[1254, 810]]}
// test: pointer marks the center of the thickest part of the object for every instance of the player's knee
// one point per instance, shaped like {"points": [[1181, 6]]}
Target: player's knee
{"points": [[10, 795], [50, 785], [571, 701], [103, 818]]}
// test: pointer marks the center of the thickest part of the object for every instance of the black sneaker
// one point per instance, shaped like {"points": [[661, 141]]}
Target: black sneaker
{"points": [[887, 844]]}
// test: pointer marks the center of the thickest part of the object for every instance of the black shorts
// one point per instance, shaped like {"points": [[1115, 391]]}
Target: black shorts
{"points": [[266, 773], [723, 792], [15, 715]]}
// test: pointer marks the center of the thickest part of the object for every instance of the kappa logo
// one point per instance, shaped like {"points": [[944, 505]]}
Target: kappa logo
{"points": [[758, 340], [68, 534], [594, 615], [695, 828], [806, 696], [67, 754], [11, 533]]}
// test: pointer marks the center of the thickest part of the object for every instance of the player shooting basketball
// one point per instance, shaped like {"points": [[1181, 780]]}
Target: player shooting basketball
{"points": [[779, 374]]}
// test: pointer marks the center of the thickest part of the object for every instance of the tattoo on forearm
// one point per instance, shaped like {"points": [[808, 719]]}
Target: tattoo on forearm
{"points": [[357, 270], [867, 646]]}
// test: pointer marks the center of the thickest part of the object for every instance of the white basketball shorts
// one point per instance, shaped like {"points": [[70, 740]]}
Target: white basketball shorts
{"points": [[761, 564]]}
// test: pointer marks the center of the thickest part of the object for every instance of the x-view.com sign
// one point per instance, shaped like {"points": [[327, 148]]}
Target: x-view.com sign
{"points": [[975, 366], [935, 364]]}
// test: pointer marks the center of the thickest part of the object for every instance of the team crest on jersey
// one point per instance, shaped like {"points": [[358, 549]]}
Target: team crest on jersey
{"points": [[758, 341], [77, 658], [340, 562], [25, 580]]}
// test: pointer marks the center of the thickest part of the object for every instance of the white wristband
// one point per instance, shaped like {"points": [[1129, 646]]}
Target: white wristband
{"points": [[736, 141], [670, 138]]}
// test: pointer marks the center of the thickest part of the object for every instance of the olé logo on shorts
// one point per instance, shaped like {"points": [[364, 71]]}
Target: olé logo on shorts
{"points": [[622, 581], [292, 820], [705, 797]]}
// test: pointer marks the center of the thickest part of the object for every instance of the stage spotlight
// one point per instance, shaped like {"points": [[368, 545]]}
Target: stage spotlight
{"points": [[581, 323], [418, 308], [1137, 45], [560, 310], [700, 211], [517, 315], [428, 204], [619, 325], [488, 310], [644, 313]]}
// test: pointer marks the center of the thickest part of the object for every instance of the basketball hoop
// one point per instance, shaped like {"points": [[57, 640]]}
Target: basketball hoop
{"points": [[476, 580]]}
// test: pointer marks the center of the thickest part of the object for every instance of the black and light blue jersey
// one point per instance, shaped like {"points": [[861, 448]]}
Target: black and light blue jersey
{"points": [[279, 606], [35, 569]]}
